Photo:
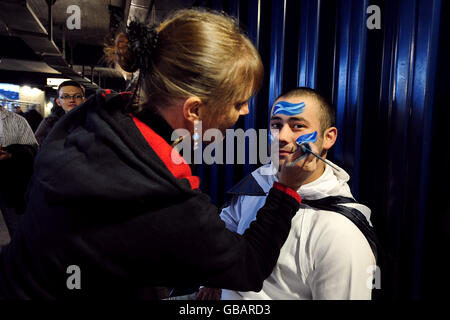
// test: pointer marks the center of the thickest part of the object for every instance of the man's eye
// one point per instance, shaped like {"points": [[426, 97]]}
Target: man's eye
{"points": [[298, 126], [76, 96], [275, 125]]}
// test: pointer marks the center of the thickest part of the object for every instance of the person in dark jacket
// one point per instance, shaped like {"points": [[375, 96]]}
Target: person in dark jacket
{"points": [[112, 210], [33, 118], [70, 95], [17, 150], [18, 110]]}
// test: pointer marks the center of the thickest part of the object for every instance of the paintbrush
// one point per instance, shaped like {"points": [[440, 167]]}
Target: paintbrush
{"points": [[305, 148]]}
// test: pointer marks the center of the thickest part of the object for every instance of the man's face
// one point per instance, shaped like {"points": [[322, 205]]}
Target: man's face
{"points": [[296, 118], [70, 97]]}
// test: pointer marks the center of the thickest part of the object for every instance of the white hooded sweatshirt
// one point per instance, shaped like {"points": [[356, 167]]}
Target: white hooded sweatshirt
{"points": [[325, 255]]}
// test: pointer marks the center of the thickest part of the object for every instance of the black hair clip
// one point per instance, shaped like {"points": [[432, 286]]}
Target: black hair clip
{"points": [[142, 43]]}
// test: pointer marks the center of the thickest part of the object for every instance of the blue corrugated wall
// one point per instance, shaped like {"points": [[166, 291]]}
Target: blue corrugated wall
{"points": [[383, 85]]}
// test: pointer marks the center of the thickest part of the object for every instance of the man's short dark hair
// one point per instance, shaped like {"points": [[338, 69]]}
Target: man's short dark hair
{"points": [[327, 114], [71, 83]]}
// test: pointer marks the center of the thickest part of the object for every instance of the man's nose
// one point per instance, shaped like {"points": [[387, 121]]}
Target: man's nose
{"points": [[285, 134]]}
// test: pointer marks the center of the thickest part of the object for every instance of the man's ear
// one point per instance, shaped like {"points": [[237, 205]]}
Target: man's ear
{"points": [[329, 138], [191, 108], [58, 102]]}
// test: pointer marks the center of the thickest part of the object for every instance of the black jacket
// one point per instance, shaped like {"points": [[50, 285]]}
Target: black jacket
{"points": [[15, 173], [47, 124], [103, 199], [34, 119]]}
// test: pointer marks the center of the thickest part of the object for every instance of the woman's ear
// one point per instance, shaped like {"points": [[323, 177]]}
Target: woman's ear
{"points": [[329, 138], [191, 108]]}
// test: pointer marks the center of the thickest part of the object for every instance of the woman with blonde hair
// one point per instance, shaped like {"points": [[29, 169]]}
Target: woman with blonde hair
{"points": [[110, 214]]}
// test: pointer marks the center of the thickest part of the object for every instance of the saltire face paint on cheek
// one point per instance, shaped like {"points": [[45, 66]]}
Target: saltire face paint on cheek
{"points": [[303, 141], [306, 138], [289, 109]]}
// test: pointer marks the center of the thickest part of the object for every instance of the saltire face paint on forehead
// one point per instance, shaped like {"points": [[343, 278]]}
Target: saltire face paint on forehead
{"points": [[289, 109], [286, 108]]}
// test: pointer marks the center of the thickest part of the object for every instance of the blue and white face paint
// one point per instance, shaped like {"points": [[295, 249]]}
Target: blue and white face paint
{"points": [[289, 109], [304, 140], [286, 108], [308, 137]]}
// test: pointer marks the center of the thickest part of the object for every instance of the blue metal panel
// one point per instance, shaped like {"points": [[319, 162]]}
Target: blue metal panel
{"points": [[229, 168], [400, 90], [356, 85], [403, 79], [234, 8], [348, 85], [201, 3], [426, 45], [406, 104], [341, 78], [254, 18], [217, 5], [309, 43], [276, 50], [200, 172], [214, 170], [385, 110]]}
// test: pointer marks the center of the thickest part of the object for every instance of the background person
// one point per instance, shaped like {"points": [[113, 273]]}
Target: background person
{"points": [[70, 95], [18, 147], [33, 117], [18, 110]]}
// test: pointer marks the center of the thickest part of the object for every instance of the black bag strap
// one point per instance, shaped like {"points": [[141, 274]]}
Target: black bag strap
{"points": [[336, 204]]}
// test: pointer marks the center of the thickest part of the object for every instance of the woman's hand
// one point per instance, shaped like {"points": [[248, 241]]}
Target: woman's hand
{"points": [[298, 167], [206, 293]]}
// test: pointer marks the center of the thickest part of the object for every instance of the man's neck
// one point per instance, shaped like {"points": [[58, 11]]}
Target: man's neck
{"points": [[317, 173]]}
